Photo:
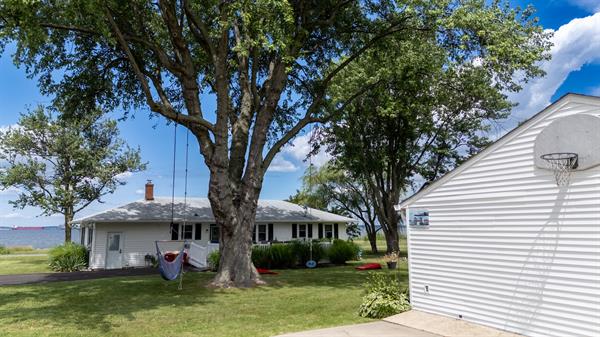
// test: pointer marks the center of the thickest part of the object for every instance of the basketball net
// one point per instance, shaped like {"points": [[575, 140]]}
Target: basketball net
{"points": [[561, 164]]}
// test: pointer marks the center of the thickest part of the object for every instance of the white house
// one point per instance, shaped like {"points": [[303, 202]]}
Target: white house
{"points": [[498, 242], [121, 237]]}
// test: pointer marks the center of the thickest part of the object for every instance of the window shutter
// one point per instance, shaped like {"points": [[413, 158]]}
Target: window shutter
{"points": [[310, 230], [254, 234], [174, 231], [198, 232], [294, 231], [320, 231], [335, 231], [270, 232]]}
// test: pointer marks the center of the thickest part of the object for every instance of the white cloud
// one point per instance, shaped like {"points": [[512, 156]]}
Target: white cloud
{"points": [[576, 44], [124, 175], [139, 191], [279, 164], [595, 91], [299, 149], [10, 191], [590, 5]]}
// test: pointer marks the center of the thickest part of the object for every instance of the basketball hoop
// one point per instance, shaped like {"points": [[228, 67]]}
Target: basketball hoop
{"points": [[561, 163]]}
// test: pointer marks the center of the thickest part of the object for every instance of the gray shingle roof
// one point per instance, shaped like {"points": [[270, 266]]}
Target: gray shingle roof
{"points": [[198, 209]]}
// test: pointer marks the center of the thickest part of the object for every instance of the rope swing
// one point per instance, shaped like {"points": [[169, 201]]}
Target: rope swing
{"points": [[170, 270]]}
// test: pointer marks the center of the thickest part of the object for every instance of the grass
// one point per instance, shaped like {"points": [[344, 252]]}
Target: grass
{"points": [[22, 250], [363, 242], [10, 264], [295, 300]]}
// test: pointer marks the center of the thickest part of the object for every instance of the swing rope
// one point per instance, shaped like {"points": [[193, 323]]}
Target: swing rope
{"points": [[173, 180], [170, 270]]}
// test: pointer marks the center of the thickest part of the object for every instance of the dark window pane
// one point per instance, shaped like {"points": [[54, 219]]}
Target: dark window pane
{"points": [[174, 231], [187, 231], [198, 232], [262, 232], [214, 233]]}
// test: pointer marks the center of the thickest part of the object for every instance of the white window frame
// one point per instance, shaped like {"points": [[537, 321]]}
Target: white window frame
{"points": [[302, 227], [327, 227], [183, 227], [259, 228]]}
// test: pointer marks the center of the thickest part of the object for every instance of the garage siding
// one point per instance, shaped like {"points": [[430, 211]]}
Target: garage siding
{"points": [[507, 248]]}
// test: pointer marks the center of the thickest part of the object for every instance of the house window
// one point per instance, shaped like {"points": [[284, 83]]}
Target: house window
{"points": [[187, 232], [328, 231], [174, 231], [90, 236], [302, 231], [262, 232], [214, 233], [198, 232]]}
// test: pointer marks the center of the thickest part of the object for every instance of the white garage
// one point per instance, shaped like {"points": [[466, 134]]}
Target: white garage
{"points": [[511, 238]]}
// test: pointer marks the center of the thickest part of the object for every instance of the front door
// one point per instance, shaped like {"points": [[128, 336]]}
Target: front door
{"points": [[114, 251]]}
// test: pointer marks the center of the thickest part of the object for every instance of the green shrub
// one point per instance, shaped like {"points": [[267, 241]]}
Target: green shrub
{"points": [[301, 250], [4, 250], [341, 251], [277, 256], [213, 260], [282, 256], [261, 256], [68, 257], [384, 296]]}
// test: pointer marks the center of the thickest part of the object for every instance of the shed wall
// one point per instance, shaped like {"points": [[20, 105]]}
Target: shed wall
{"points": [[506, 247]]}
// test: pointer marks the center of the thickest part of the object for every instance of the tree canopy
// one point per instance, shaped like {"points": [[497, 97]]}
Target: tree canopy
{"points": [[269, 65], [62, 164]]}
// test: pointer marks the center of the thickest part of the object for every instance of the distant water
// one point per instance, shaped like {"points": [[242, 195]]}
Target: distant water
{"points": [[44, 238]]}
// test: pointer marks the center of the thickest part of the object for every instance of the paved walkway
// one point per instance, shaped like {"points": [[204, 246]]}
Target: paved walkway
{"points": [[446, 326], [379, 329], [75, 276]]}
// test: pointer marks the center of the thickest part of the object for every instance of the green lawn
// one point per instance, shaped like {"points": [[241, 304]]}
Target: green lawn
{"points": [[146, 306], [381, 245], [10, 264]]}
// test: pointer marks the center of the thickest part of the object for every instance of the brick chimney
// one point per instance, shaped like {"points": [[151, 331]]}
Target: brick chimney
{"points": [[149, 191]]}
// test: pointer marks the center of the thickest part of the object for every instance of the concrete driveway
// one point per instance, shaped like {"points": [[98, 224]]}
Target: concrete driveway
{"points": [[379, 329]]}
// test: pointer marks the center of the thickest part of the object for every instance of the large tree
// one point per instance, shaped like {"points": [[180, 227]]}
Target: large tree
{"points": [[62, 164], [268, 64], [425, 114]]}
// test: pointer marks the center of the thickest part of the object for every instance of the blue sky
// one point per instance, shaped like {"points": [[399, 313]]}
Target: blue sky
{"points": [[575, 67]]}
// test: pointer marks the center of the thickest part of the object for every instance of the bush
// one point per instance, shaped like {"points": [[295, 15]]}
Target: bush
{"points": [[282, 256], [384, 296], [213, 260], [341, 251], [68, 257], [301, 250], [4, 250], [277, 256]]}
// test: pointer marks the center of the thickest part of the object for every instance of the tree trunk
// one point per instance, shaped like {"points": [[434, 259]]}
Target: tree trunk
{"points": [[235, 217], [68, 216], [372, 236], [392, 240], [235, 264]]}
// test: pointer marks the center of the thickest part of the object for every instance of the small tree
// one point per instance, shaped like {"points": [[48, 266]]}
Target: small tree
{"points": [[62, 164], [331, 188]]}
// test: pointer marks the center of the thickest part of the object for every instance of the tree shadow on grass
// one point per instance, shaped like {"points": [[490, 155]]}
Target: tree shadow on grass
{"points": [[94, 304]]}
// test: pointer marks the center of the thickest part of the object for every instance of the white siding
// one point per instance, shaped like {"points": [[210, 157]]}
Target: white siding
{"points": [[506, 248], [138, 240]]}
